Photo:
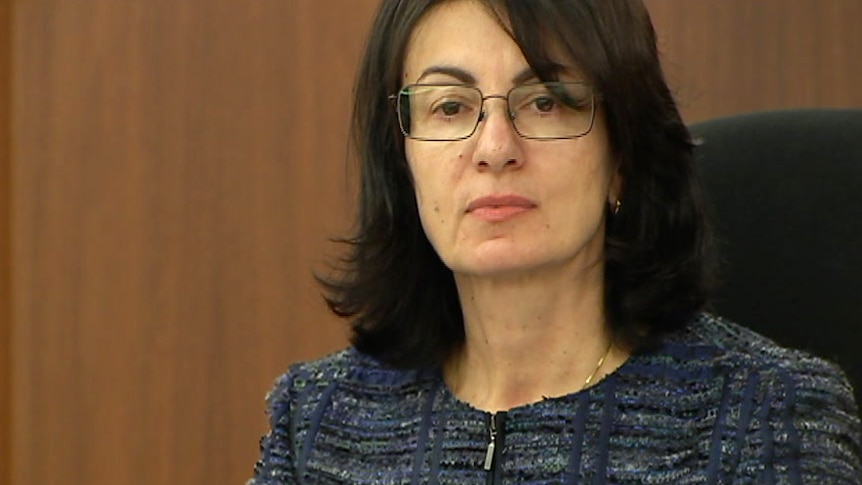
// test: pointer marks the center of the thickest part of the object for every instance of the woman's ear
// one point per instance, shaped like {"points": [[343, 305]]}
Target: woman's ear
{"points": [[615, 191]]}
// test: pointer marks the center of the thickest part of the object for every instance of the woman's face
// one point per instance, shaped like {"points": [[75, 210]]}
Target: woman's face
{"points": [[496, 203]]}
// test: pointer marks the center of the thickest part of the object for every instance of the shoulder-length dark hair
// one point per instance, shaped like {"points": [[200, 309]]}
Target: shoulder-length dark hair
{"points": [[400, 297]]}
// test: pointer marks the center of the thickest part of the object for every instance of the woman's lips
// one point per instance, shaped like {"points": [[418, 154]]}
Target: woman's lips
{"points": [[499, 208]]}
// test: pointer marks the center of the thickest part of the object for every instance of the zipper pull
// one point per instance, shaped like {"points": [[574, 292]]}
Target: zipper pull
{"points": [[492, 442]]}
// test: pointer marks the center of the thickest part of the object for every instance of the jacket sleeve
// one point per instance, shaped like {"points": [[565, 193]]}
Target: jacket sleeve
{"points": [[803, 427], [825, 419], [276, 464]]}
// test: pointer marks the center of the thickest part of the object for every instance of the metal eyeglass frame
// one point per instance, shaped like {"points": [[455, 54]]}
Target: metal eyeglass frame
{"points": [[396, 100]]}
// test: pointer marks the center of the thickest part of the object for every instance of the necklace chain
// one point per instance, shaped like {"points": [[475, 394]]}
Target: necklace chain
{"points": [[598, 365]]}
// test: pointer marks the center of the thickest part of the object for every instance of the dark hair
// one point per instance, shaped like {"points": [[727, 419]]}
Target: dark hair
{"points": [[402, 299]]}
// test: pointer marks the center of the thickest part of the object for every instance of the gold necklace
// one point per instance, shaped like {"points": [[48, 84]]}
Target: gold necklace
{"points": [[589, 377], [598, 366]]}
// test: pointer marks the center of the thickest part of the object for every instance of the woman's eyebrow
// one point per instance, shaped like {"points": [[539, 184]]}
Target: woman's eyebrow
{"points": [[462, 75], [451, 71], [526, 74], [551, 68]]}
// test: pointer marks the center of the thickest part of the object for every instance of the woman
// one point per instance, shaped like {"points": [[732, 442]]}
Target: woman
{"points": [[527, 280]]}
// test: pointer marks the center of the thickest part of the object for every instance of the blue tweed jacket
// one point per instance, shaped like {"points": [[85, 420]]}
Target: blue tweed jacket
{"points": [[715, 404]]}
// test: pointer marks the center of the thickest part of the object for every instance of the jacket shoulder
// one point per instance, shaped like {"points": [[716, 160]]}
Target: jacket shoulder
{"points": [[308, 382], [806, 401], [734, 342]]}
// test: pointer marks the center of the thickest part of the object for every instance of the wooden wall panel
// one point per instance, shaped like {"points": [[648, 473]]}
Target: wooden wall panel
{"points": [[731, 56], [178, 169], [5, 244]]}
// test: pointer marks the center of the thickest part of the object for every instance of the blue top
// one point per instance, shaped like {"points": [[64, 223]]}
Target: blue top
{"points": [[715, 403]]}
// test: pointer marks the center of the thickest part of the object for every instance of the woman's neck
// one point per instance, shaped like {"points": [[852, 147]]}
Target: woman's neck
{"points": [[528, 338]]}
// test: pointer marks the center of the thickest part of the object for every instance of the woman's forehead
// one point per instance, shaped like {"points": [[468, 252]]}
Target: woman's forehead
{"points": [[468, 37]]}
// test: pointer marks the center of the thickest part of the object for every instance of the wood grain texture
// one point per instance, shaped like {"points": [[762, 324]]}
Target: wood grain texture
{"points": [[178, 169], [731, 56], [5, 244]]}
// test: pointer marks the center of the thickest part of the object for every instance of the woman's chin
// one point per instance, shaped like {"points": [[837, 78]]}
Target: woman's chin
{"points": [[497, 265]]}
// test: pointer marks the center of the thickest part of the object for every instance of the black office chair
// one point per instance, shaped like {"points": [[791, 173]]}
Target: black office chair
{"points": [[785, 189]]}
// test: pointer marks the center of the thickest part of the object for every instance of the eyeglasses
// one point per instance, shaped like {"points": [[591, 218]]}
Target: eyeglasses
{"points": [[540, 111]]}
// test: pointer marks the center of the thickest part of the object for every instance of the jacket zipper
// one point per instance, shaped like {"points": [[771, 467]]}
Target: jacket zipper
{"points": [[496, 442]]}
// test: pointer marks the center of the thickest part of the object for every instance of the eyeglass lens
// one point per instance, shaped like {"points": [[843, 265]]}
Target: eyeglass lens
{"points": [[550, 110]]}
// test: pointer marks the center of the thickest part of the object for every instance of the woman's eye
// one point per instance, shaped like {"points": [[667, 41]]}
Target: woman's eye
{"points": [[544, 104], [449, 108]]}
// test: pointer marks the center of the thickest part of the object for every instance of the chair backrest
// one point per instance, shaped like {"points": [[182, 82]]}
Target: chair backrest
{"points": [[785, 189]]}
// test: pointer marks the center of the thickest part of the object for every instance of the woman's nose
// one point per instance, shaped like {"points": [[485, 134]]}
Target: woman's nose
{"points": [[498, 145]]}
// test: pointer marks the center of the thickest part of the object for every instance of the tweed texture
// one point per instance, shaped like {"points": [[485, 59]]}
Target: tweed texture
{"points": [[715, 403]]}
